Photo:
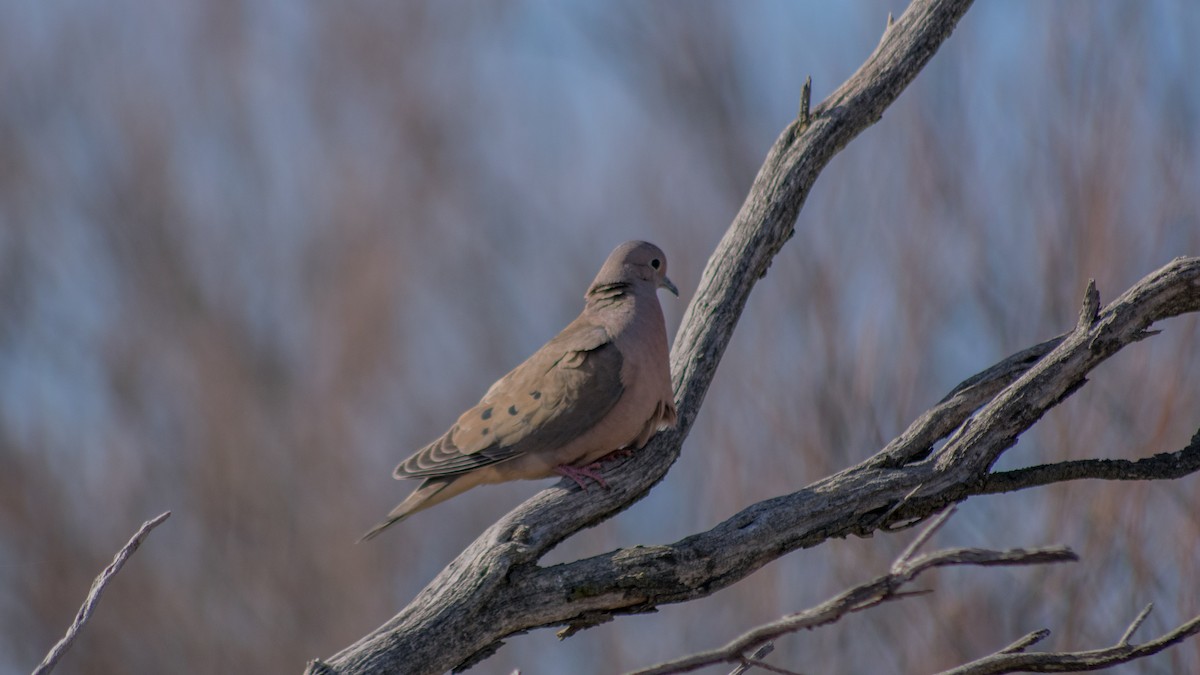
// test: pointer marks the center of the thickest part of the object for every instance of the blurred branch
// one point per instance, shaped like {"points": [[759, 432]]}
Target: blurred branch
{"points": [[1013, 659], [495, 587], [93, 597], [882, 589]]}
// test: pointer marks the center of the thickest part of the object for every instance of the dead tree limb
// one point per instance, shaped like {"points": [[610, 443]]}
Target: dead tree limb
{"points": [[495, 588], [93, 597], [472, 586], [864, 596]]}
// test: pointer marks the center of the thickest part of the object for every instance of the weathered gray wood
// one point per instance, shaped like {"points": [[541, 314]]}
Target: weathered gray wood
{"points": [[495, 588], [93, 597]]}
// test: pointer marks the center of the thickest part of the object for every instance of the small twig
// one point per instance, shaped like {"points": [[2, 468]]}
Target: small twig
{"points": [[1135, 625], [806, 102], [891, 21], [1026, 642], [1091, 306], [923, 538], [93, 597], [879, 522], [755, 663], [758, 655], [900, 595]]}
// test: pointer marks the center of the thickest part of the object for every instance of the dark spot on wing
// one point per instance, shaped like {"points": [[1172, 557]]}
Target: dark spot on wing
{"points": [[484, 432], [535, 394], [487, 415], [512, 410]]}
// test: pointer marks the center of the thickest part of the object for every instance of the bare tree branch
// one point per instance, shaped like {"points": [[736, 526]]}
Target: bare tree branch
{"points": [[880, 590], [1012, 658], [93, 597], [1168, 292], [495, 587], [923, 538], [639, 578], [1026, 642], [1164, 465], [479, 582], [1010, 661], [935, 424], [1137, 623], [758, 655], [587, 592], [756, 663]]}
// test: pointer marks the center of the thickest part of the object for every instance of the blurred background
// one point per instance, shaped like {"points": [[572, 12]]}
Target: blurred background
{"points": [[254, 254]]}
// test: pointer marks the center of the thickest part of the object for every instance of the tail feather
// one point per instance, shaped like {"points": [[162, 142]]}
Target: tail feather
{"points": [[431, 491]]}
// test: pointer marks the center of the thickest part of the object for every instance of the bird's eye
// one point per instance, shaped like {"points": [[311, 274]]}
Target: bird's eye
{"points": [[655, 263]]}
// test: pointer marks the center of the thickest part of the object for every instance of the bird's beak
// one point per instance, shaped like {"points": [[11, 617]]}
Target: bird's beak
{"points": [[669, 285]]}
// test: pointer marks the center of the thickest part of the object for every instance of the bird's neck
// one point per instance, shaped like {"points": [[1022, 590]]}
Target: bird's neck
{"points": [[602, 295]]}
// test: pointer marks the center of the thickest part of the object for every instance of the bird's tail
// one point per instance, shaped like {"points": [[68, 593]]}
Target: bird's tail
{"points": [[431, 491]]}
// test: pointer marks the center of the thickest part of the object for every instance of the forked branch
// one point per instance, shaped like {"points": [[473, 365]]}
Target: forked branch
{"points": [[471, 599], [907, 567], [495, 588]]}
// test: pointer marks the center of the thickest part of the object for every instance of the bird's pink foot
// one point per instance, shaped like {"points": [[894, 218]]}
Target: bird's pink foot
{"points": [[578, 473]]}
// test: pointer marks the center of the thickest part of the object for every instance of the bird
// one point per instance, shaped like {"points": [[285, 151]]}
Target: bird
{"points": [[599, 387]]}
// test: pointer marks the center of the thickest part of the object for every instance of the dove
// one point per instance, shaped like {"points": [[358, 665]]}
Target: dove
{"points": [[602, 385]]}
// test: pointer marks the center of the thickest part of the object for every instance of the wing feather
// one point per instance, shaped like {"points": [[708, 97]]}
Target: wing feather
{"points": [[561, 391]]}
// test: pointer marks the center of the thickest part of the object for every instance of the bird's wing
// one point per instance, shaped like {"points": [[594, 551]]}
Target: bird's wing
{"points": [[557, 394]]}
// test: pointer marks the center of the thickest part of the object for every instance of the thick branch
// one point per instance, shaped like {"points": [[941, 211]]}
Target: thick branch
{"points": [[858, 500], [93, 597], [637, 579], [1170, 291], [495, 588]]}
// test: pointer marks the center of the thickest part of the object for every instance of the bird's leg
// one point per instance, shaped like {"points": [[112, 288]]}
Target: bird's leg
{"points": [[578, 473]]}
